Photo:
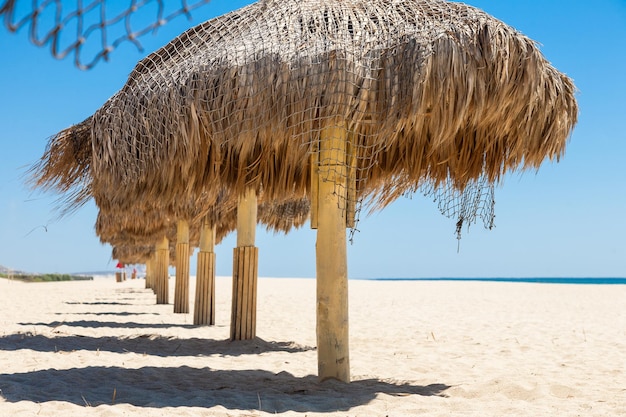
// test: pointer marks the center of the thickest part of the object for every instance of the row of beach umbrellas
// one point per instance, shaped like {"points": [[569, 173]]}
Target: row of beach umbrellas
{"points": [[286, 111]]}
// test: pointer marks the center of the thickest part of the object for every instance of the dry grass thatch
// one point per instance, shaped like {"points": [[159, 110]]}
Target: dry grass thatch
{"points": [[429, 91], [132, 254], [65, 166], [142, 228]]}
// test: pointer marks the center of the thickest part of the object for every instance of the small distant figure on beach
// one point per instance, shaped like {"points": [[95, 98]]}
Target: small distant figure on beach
{"points": [[120, 273]]}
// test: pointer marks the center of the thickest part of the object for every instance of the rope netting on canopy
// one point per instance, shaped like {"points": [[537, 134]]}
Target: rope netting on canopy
{"points": [[387, 95], [474, 202], [90, 30], [381, 98]]}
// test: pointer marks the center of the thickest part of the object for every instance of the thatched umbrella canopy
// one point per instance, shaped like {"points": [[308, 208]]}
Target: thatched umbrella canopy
{"points": [[282, 217], [140, 226], [132, 254], [173, 107], [427, 89], [131, 228]]}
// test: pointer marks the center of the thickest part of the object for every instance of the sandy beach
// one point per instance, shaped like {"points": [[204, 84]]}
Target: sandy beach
{"points": [[101, 348]]}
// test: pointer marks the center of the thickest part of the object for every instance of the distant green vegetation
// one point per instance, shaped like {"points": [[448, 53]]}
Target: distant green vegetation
{"points": [[46, 277]]}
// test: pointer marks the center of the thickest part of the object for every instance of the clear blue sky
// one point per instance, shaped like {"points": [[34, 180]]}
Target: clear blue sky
{"points": [[568, 219]]}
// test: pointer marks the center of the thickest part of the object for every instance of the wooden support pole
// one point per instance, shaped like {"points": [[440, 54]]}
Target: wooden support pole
{"points": [[181, 290], [247, 206], [204, 308], [331, 258], [150, 271], [147, 277], [155, 272], [243, 314], [315, 192], [351, 195], [161, 273], [245, 261]]}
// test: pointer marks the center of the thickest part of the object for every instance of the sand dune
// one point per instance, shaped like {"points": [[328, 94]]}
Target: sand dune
{"points": [[101, 348]]}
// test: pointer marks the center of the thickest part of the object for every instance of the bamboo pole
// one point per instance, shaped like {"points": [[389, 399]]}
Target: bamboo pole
{"points": [[246, 218], [150, 271], [351, 196], [156, 281], [245, 261], [204, 309], [331, 258], [157, 274], [161, 273], [181, 290], [314, 187]]}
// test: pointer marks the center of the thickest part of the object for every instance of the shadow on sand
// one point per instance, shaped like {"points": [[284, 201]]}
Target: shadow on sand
{"points": [[102, 303], [96, 324], [108, 313], [146, 345], [157, 387]]}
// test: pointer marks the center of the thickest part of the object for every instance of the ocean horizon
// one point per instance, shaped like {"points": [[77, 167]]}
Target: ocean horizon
{"points": [[541, 280]]}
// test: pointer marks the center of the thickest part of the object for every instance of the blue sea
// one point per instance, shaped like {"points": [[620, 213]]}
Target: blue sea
{"points": [[543, 280]]}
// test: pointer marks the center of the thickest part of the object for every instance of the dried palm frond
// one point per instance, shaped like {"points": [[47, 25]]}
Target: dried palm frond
{"points": [[65, 167], [429, 91]]}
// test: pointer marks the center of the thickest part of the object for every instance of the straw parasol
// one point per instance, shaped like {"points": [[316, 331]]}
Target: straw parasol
{"points": [[134, 234], [136, 217], [132, 254], [344, 100], [427, 89]]}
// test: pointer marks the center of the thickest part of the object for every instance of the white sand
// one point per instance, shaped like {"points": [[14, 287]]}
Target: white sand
{"points": [[101, 348]]}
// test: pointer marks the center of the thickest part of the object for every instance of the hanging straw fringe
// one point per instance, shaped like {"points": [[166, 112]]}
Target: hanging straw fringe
{"points": [[432, 93]]}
